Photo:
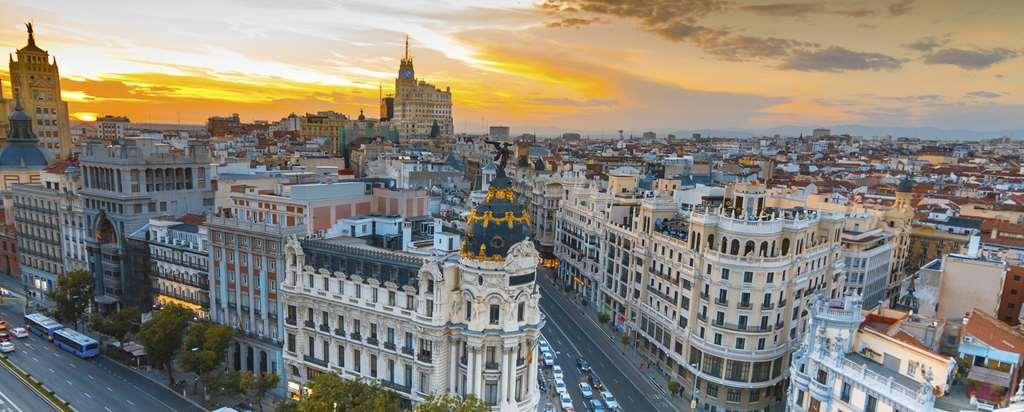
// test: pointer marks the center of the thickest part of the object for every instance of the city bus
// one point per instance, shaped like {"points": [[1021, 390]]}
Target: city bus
{"points": [[42, 325], [72, 341]]}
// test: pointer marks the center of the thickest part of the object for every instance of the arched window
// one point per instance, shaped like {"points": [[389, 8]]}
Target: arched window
{"points": [[748, 248], [725, 243], [764, 249], [734, 248], [785, 247]]}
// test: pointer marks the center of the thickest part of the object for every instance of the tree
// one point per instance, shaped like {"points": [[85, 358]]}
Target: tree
{"points": [[674, 387], [72, 296], [329, 392], [624, 339], [257, 386], [117, 325], [452, 403], [204, 347], [227, 384], [162, 336]]}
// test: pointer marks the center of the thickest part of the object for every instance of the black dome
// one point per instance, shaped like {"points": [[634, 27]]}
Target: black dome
{"points": [[496, 224], [22, 149]]}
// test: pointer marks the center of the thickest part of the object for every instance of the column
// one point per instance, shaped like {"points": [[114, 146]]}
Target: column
{"points": [[510, 382], [503, 378], [453, 370], [478, 373], [471, 372]]}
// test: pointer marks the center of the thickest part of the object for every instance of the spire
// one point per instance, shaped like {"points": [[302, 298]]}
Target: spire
{"points": [[31, 35], [406, 41]]}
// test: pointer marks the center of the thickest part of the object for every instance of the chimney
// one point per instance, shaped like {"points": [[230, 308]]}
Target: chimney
{"points": [[974, 245], [406, 235]]}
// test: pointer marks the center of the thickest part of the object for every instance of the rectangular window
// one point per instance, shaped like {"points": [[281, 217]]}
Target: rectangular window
{"points": [[871, 404], [725, 274], [740, 343], [495, 312], [748, 277], [844, 392]]}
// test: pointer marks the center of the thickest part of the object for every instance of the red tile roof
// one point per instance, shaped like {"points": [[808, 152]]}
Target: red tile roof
{"points": [[994, 332]]}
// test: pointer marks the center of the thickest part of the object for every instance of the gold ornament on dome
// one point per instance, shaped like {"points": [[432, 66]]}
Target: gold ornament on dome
{"points": [[488, 217], [504, 193]]}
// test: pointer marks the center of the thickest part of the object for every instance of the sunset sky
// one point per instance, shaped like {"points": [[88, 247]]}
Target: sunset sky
{"points": [[585, 65]]}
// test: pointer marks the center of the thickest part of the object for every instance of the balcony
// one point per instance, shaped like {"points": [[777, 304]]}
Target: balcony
{"points": [[782, 303], [704, 296], [372, 340], [356, 336], [722, 302], [389, 345], [767, 306], [309, 324], [315, 361], [702, 317], [340, 332], [407, 350], [779, 325], [396, 386], [744, 305], [290, 321], [491, 365], [325, 328], [424, 357], [820, 390], [663, 296]]}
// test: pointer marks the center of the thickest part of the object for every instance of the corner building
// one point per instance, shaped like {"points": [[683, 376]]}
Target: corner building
{"points": [[726, 292], [421, 324]]}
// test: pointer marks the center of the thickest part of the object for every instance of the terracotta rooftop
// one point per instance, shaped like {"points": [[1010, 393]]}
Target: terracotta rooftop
{"points": [[993, 332]]}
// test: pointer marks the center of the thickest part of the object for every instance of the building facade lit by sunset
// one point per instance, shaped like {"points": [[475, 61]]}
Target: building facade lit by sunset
{"points": [[420, 109], [35, 81]]}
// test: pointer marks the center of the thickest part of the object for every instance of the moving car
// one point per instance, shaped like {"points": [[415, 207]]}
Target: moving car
{"points": [[544, 347], [560, 386], [582, 365], [6, 346], [587, 391], [596, 381], [20, 332], [556, 371], [566, 402], [596, 405], [609, 400]]}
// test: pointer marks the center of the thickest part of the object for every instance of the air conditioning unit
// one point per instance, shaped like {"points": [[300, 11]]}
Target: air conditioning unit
{"points": [[968, 339]]}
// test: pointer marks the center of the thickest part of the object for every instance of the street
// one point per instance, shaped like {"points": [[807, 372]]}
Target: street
{"points": [[97, 384], [15, 396], [572, 335]]}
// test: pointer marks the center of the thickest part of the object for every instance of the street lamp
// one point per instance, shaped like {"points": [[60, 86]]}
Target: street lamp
{"points": [[693, 394]]}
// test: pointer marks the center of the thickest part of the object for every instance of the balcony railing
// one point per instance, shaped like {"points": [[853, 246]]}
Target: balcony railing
{"points": [[407, 350], [767, 306], [309, 324], [325, 328], [491, 365], [424, 357], [389, 345], [744, 305], [290, 321], [339, 332], [356, 336], [396, 386], [314, 360], [722, 302]]}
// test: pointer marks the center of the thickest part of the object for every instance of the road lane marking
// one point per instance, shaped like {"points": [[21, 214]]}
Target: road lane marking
{"points": [[130, 402], [108, 409], [87, 395], [10, 402], [72, 365], [69, 382], [51, 370], [91, 378], [108, 388]]}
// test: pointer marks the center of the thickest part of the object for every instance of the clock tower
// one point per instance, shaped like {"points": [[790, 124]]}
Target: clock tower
{"points": [[405, 70], [417, 105]]}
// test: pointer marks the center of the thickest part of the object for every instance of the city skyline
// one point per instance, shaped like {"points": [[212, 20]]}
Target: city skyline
{"points": [[581, 65]]}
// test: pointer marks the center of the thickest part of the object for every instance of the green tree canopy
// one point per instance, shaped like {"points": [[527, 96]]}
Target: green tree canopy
{"points": [[72, 296], [329, 392], [117, 325], [257, 386], [162, 336], [452, 403]]}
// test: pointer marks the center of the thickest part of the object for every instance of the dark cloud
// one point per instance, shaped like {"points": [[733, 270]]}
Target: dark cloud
{"points": [[803, 9], [927, 44], [785, 9], [681, 21], [976, 59], [572, 22], [901, 7], [983, 94], [839, 59]]}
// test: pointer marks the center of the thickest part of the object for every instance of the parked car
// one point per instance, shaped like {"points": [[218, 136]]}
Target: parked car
{"points": [[560, 386], [586, 390], [596, 405], [6, 346], [566, 402], [544, 347], [20, 332], [556, 371], [4, 336], [595, 381], [609, 400], [548, 359], [582, 365]]}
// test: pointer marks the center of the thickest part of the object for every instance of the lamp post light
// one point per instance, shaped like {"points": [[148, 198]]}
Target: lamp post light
{"points": [[693, 394]]}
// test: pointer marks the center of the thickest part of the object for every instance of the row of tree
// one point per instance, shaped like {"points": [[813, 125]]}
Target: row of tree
{"points": [[328, 392]]}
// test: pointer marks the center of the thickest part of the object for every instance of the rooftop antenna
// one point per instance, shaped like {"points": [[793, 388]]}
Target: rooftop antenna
{"points": [[406, 47]]}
